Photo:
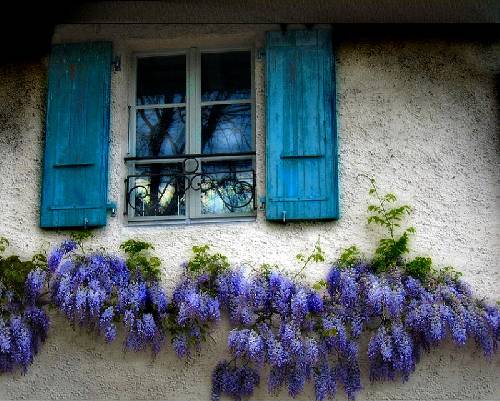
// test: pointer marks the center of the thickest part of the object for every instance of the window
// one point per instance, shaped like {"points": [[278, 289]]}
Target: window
{"points": [[191, 145]]}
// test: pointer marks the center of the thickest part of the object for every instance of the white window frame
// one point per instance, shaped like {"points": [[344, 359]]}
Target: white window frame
{"points": [[193, 106]]}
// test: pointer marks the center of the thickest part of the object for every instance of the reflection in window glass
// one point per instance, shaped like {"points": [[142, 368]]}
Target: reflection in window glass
{"points": [[160, 192], [226, 187], [225, 76], [161, 80], [167, 126], [160, 132], [226, 128]]}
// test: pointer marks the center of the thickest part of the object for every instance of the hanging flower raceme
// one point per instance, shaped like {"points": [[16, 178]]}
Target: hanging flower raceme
{"points": [[279, 325], [192, 312], [97, 291], [302, 334], [23, 323], [277, 321]]}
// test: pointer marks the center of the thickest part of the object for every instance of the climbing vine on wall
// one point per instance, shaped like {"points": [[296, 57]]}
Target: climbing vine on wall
{"points": [[293, 331]]}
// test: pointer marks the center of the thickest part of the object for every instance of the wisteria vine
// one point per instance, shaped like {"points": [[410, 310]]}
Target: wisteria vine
{"points": [[294, 331]]}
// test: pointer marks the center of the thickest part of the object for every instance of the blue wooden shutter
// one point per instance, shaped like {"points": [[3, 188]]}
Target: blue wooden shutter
{"points": [[301, 139], [74, 189]]}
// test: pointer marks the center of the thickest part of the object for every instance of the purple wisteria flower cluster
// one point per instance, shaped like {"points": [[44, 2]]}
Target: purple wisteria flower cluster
{"points": [[23, 324], [406, 317], [193, 310], [96, 291], [304, 335], [292, 331], [279, 324]]}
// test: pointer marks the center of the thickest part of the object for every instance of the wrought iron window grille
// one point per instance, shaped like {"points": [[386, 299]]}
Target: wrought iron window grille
{"points": [[234, 191]]}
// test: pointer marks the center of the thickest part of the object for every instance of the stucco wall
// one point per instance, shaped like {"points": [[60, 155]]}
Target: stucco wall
{"points": [[419, 116]]}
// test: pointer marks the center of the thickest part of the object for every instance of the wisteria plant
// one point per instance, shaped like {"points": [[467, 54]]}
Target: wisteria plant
{"points": [[304, 333], [282, 326], [97, 291], [23, 322]]}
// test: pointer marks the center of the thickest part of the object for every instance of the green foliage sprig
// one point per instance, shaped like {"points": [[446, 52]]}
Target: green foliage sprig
{"points": [[389, 216], [13, 270], [317, 255], [80, 237], [139, 259], [420, 267], [349, 257], [391, 249], [204, 261]]}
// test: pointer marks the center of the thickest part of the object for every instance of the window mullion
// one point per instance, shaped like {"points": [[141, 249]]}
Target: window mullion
{"points": [[131, 168], [194, 74]]}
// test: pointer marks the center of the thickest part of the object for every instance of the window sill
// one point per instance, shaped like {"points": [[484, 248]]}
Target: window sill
{"points": [[189, 222]]}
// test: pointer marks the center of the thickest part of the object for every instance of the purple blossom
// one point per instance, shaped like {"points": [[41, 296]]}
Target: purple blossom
{"points": [[325, 385], [299, 306], [348, 289], [235, 382], [33, 285], [56, 255], [180, 346], [21, 342], [106, 324], [54, 259], [314, 303], [333, 280], [158, 298], [5, 339]]}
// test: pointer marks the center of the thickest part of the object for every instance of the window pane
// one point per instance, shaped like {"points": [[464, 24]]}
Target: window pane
{"points": [[160, 132], [225, 76], [226, 128], [160, 192], [227, 187], [161, 80]]}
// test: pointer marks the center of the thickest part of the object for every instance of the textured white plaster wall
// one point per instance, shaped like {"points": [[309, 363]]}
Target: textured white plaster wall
{"points": [[419, 116]]}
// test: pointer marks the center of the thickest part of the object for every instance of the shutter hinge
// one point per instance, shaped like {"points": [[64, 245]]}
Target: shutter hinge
{"points": [[111, 206], [261, 54], [262, 202], [116, 64]]}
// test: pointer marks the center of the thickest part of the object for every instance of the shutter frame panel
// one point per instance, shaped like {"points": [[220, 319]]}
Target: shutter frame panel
{"points": [[75, 172], [301, 134]]}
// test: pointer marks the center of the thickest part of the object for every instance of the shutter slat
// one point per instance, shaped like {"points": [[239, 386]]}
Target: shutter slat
{"points": [[74, 189], [301, 142]]}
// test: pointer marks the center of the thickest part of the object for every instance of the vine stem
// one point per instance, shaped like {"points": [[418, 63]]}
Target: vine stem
{"points": [[381, 200], [390, 225]]}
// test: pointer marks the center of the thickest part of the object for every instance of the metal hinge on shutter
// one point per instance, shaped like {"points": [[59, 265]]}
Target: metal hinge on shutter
{"points": [[111, 206]]}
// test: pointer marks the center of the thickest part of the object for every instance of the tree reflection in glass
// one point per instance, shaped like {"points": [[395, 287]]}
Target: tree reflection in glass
{"points": [[160, 192], [226, 128], [161, 132], [227, 187]]}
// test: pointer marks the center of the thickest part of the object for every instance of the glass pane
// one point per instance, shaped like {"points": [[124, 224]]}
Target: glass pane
{"points": [[160, 132], [226, 128], [227, 187], [225, 76], [160, 192], [161, 80]]}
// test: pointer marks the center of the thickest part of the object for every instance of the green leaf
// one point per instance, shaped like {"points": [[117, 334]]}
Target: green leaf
{"points": [[349, 257], [140, 260], [133, 246], [319, 285], [203, 261], [81, 235], [4, 243], [390, 197], [420, 268]]}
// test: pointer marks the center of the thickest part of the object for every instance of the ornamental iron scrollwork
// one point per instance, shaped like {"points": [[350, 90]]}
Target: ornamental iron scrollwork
{"points": [[235, 188]]}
